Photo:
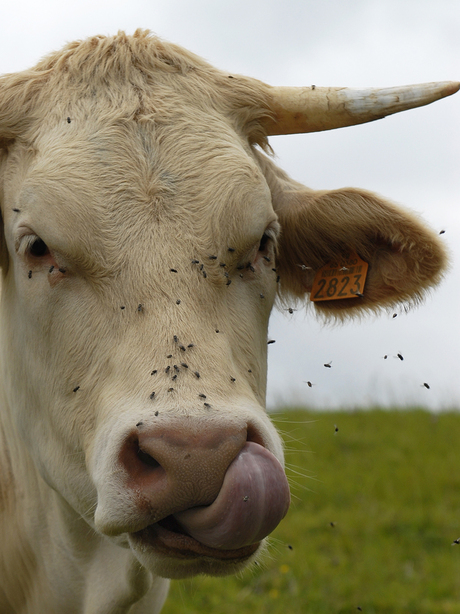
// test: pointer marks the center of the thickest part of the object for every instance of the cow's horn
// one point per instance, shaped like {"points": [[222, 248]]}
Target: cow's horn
{"points": [[312, 109]]}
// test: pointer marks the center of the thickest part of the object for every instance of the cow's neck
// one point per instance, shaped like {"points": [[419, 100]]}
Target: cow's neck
{"points": [[47, 549]]}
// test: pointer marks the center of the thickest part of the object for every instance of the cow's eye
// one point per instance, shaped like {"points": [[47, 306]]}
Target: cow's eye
{"points": [[268, 240], [264, 242], [38, 248]]}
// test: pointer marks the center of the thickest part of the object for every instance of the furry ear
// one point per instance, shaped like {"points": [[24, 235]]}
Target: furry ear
{"points": [[3, 250], [405, 257]]}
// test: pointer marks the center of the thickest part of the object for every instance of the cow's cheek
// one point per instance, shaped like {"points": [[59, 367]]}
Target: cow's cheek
{"points": [[48, 415]]}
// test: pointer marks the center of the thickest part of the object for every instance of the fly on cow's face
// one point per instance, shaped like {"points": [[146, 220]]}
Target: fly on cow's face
{"points": [[76, 388], [152, 394], [30, 274], [140, 307], [197, 374], [202, 396], [290, 310], [168, 368]]}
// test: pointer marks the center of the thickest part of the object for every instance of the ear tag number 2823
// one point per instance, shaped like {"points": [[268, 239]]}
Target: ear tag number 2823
{"points": [[343, 278]]}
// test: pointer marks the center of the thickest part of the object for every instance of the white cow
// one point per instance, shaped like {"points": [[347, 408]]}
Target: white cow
{"points": [[145, 235]]}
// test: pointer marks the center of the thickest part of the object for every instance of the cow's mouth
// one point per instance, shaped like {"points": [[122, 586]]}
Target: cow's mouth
{"points": [[169, 538]]}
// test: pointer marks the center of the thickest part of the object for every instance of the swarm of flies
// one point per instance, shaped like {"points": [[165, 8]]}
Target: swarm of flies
{"points": [[175, 371]]}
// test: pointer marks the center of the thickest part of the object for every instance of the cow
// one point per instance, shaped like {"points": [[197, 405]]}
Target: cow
{"points": [[145, 235]]}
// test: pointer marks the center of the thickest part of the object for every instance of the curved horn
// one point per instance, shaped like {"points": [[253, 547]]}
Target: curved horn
{"points": [[312, 109]]}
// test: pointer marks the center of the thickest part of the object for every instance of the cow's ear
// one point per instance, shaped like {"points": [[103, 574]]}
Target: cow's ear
{"points": [[405, 257], [4, 144]]}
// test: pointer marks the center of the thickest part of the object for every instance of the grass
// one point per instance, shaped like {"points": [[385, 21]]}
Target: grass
{"points": [[376, 507]]}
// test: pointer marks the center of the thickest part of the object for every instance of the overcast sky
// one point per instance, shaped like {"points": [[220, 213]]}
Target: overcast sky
{"points": [[412, 158]]}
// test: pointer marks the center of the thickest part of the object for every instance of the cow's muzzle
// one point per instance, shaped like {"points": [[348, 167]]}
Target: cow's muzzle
{"points": [[208, 490]]}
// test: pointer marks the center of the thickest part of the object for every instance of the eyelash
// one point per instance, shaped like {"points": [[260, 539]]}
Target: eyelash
{"points": [[268, 237], [32, 243]]}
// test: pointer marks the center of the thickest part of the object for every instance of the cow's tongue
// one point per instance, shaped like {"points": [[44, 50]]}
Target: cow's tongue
{"points": [[252, 501]]}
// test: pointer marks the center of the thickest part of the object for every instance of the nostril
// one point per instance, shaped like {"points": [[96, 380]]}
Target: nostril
{"points": [[254, 436], [145, 458], [138, 463]]}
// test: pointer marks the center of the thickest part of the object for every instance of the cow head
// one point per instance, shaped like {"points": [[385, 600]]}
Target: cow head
{"points": [[146, 235]]}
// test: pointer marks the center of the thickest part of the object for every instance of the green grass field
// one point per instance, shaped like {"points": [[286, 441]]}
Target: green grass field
{"points": [[376, 507]]}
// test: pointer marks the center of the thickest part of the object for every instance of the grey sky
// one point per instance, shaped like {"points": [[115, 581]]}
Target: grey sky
{"points": [[412, 158]]}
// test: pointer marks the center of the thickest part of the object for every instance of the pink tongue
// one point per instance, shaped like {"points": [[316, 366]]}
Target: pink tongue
{"points": [[253, 499]]}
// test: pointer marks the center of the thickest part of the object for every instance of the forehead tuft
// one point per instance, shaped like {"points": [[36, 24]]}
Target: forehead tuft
{"points": [[133, 77]]}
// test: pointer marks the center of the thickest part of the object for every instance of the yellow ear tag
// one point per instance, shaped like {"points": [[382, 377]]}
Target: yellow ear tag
{"points": [[343, 278]]}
